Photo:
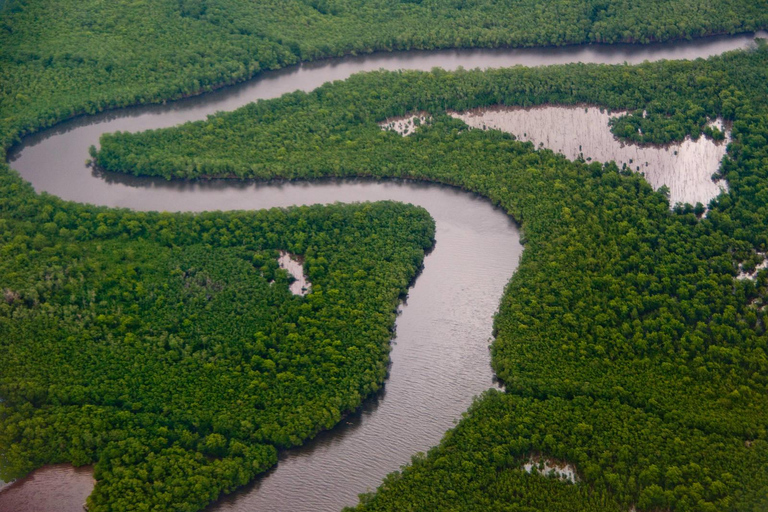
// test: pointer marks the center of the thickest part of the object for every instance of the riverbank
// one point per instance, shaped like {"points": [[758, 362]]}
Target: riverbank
{"points": [[121, 199]]}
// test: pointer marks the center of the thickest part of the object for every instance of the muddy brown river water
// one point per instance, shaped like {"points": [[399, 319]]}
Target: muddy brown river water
{"points": [[440, 357]]}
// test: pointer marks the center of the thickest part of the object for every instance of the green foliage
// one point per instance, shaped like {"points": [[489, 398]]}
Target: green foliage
{"points": [[333, 129], [623, 326], [168, 349], [59, 58], [478, 465], [155, 345]]}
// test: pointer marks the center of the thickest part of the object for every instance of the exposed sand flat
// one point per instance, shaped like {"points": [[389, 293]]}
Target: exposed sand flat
{"points": [[441, 358], [301, 286], [753, 275], [405, 125], [552, 468], [686, 167]]}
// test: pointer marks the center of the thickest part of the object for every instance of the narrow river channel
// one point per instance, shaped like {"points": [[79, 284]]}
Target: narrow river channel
{"points": [[440, 357]]}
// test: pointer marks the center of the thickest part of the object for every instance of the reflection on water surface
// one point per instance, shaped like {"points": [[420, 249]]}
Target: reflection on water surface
{"points": [[440, 358]]}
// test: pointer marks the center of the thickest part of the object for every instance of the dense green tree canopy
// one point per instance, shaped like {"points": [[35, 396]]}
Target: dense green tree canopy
{"points": [[625, 342], [63, 58], [156, 345], [168, 347]]}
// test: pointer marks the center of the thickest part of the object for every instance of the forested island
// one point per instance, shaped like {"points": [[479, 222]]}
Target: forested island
{"points": [[168, 349]]}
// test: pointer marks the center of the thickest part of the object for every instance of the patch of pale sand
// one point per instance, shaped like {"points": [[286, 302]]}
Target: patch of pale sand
{"points": [[686, 168], [753, 275], [552, 468], [301, 286], [405, 125]]}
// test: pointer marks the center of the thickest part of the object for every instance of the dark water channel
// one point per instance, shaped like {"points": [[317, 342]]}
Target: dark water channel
{"points": [[440, 357]]}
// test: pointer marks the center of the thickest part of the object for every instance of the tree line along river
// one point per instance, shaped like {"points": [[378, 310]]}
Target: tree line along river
{"points": [[440, 357]]}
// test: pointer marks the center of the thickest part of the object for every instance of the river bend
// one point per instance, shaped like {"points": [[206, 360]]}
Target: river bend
{"points": [[440, 356]]}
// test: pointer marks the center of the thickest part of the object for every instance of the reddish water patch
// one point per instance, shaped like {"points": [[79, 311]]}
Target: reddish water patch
{"points": [[60, 487]]}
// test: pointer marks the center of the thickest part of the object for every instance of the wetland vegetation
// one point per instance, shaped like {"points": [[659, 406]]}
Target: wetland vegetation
{"points": [[60, 59], [626, 344], [685, 168], [168, 347], [154, 345]]}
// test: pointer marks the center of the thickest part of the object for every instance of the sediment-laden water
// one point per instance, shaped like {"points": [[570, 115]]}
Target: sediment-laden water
{"points": [[440, 358]]}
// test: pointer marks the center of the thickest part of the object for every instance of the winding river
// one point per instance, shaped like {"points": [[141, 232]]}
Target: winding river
{"points": [[440, 357]]}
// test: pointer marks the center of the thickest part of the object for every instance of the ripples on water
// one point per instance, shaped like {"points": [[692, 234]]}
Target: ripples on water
{"points": [[440, 358], [59, 488]]}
